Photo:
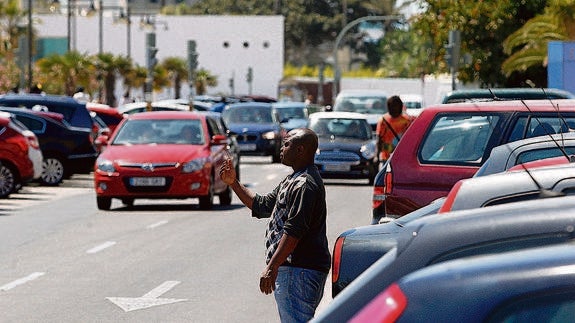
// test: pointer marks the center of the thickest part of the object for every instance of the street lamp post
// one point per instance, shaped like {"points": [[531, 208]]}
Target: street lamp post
{"points": [[337, 73]]}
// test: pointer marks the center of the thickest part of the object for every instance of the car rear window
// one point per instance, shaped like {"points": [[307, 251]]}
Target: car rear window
{"points": [[458, 139]]}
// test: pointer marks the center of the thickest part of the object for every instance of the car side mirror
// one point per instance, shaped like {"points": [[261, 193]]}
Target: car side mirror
{"points": [[219, 140]]}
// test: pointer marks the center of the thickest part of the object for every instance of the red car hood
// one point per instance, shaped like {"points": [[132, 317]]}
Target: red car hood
{"points": [[154, 153]]}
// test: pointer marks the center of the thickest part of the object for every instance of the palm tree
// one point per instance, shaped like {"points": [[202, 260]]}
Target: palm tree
{"points": [[177, 72], [63, 73], [528, 45], [203, 79]]}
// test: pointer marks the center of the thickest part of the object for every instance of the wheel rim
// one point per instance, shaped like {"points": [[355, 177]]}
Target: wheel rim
{"points": [[52, 171], [7, 181]]}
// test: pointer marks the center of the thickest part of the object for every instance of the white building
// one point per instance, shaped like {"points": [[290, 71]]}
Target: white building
{"points": [[227, 45]]}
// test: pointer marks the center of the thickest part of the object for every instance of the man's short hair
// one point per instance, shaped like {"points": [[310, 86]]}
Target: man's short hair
{"points": [[394, 106]]}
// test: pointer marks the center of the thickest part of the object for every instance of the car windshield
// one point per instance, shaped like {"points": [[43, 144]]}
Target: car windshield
{"points": [[142, 132], [340, 127], [247, 115]]}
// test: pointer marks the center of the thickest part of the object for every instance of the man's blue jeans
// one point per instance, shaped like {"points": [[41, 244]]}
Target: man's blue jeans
{"points": [[298, 293]]}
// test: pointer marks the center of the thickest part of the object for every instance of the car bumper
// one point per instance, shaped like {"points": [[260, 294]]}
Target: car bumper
{"points": [[166, 184]]}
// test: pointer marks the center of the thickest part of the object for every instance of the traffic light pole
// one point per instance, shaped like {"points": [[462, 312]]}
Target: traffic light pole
{"points": [[151, 62], [192, 66]]}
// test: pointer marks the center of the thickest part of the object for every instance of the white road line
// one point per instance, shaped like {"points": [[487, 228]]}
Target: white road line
{"points": [[271, 177], [101, 247], [157, 224], [21, 281]]}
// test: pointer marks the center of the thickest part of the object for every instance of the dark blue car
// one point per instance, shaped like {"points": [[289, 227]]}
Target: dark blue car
{"points": [[66, 150], [531, 285], [257, 128]]}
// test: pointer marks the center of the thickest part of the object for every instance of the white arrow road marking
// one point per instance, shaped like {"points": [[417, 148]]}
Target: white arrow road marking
{"points": [[21, 281], [101, 247], [148, 300]]}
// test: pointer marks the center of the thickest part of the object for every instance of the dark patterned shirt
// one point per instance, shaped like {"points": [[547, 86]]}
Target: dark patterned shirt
{"points": [[297, 207]]}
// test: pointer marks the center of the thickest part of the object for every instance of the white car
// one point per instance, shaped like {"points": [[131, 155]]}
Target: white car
{"points": [[372, 103]]}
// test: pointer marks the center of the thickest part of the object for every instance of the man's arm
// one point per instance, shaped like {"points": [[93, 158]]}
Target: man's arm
{"points": [[285, 248]]}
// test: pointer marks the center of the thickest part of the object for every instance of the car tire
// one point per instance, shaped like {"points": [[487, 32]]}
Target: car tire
{"points": [[53, 171], [226, 196], [207, 201], [104, 203], [7, 181], [128, 202]]}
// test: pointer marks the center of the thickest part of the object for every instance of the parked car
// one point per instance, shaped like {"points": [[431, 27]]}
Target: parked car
{"points": [[509, 187], [74, 112], [151, 156], [372, 103], [438, 238], [522, 151], [111, 116], [258, 129], [496, 94], [354, 252], [529, 285], [347, 146], [358, 248], [67, 150], [292, 115], [449, 142], [19, 153]]}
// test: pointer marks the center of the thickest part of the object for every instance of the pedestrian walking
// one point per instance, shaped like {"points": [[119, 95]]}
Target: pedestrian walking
{"points": [[390, 128], [297, 252]]}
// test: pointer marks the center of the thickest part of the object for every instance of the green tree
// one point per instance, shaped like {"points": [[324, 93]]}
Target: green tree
{"points": [[203, 80], [63, 73], [528, 45], [484, 25], [177, 72]]}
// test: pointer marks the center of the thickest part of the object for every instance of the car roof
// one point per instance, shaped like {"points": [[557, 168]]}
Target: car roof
{"points": [[429, 238], [488, 281], [507, 94], [249, 104], [501, 188], [504, 156], [337, 115], [289, 104], [557, 105], [151, 115]]}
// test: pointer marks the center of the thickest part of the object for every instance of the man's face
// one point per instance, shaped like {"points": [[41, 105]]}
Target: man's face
{"points": [[289, 151]]}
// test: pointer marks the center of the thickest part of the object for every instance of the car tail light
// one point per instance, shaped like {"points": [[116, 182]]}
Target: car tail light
{"points": [[388, 179], [336, 259], [385, 307], [446, 207]]}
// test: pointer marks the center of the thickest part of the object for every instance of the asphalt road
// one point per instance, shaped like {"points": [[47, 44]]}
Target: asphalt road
{"points": [[63, 260]]}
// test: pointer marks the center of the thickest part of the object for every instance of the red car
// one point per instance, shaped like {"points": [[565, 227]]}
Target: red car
{"points": [[16, 165], [447, 143], [111, 116], [163, 155]]}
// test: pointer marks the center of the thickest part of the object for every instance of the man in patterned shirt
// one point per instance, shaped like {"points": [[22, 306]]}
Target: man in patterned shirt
{"points": [[297, 252]]}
